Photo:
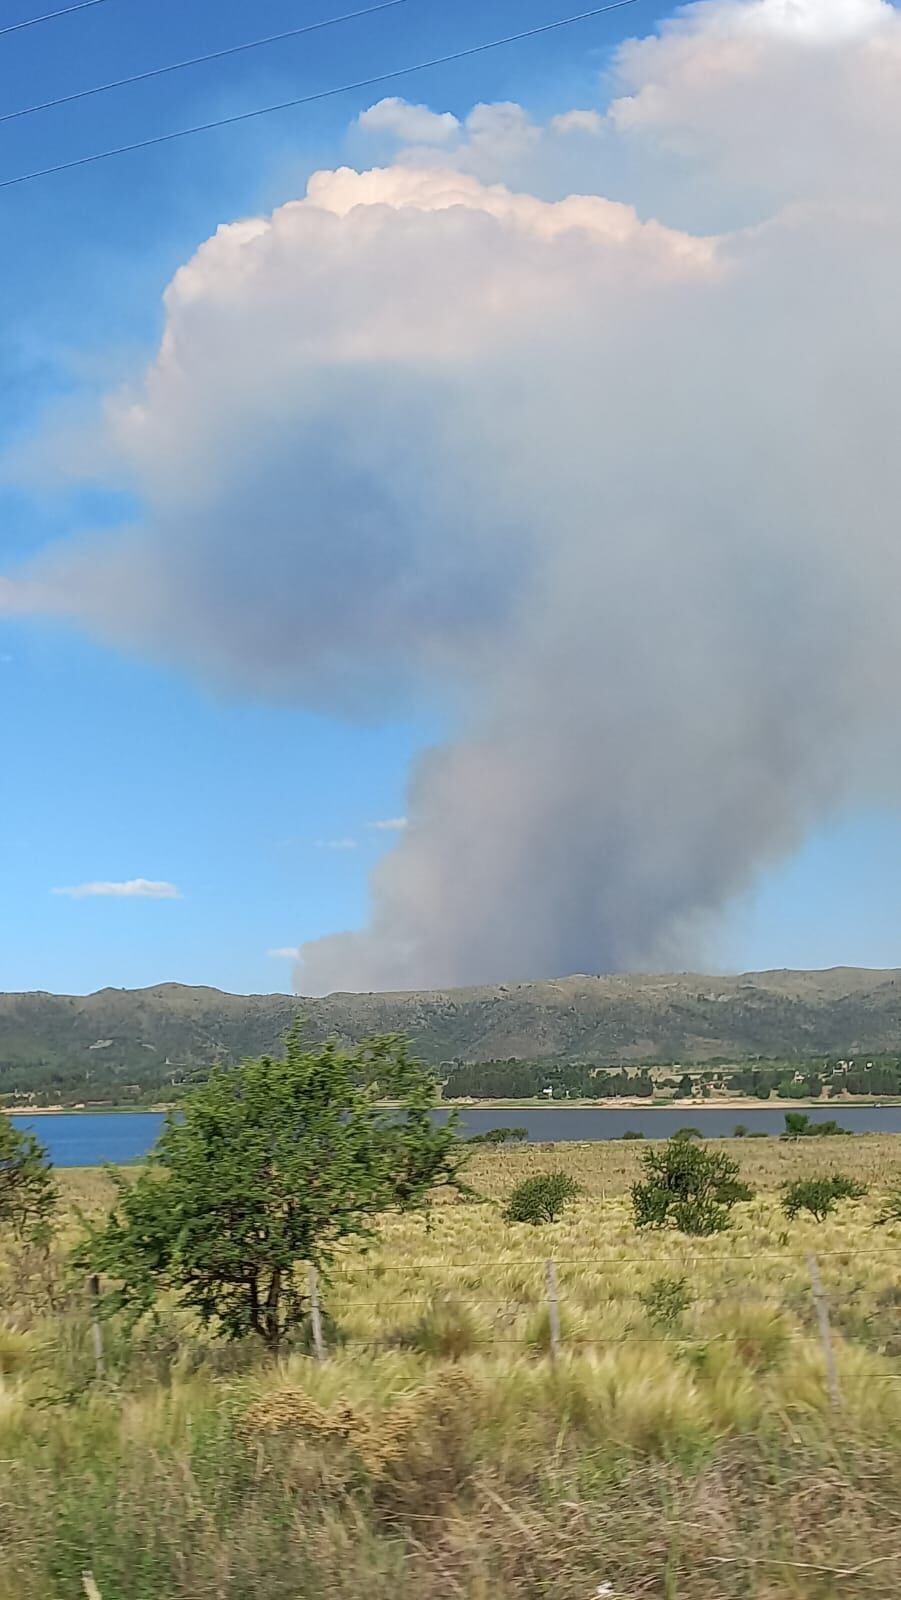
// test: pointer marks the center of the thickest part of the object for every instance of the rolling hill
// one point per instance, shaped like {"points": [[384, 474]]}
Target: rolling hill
{"points": [[145, 1034]]}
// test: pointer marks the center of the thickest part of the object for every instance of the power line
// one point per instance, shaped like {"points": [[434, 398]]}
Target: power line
{"points": [[196, 61], [50, 16], [310, 99]]}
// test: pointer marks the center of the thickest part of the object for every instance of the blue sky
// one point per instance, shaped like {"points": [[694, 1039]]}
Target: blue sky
{"points": [[117, 768]]}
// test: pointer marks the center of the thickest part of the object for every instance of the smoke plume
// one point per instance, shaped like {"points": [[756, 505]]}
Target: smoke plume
{"points": [[625, 491]]}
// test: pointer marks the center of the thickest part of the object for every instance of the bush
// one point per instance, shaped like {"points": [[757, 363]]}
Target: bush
{"points": [[687, 1187], [499, 1136], [447, 1330], [632, 1133], [740, 1131], [27, 1193], [819, 1196], [542, 1198], [799, 1126], [665, 1300], [687, 1133]]}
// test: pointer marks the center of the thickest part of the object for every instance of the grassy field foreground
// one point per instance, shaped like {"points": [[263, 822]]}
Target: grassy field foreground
{"points": [[684, 1445]]}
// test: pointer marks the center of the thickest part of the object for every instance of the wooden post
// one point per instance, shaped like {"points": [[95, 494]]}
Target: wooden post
{"points": [[553, 1308], [316, 1316], [822, 1305], [96, 1328]]}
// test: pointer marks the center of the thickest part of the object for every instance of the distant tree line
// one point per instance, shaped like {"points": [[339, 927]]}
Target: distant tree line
{"points": [[783, 1080], [791, 1081], [98, 1083], [527, 1080], [103, 1080]]}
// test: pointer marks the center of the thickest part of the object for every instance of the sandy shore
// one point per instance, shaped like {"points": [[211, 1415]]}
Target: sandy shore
{"points": [[640, 1103], [622, 1103]]}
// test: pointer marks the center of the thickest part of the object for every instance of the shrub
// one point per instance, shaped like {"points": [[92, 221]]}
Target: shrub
{"points": [[799, 1126], [27, 1193], [819, 1196], [665, 1300], [687, 1133], [446, 1329], [740, 1131], [499, 1136], [687, 1187], [632, 1133], [542, 1198]]}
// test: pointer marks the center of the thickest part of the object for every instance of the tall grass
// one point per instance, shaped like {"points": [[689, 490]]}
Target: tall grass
{"points": [[439, 1453]]}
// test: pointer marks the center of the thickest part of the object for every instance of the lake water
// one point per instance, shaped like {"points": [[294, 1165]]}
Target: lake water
{"points": [[88, 1139]]}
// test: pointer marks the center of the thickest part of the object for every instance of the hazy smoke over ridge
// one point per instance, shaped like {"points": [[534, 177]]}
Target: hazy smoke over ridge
{"points": [[632, 493]]}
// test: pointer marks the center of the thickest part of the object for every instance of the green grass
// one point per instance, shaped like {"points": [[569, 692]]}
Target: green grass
{"points": [[440, 1453]]}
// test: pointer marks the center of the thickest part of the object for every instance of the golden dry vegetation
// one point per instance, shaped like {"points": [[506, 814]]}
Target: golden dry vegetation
{"points": [[684, 1446]]}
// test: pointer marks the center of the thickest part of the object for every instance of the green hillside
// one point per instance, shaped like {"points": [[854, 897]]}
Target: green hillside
{"points": [[152, 1036]]}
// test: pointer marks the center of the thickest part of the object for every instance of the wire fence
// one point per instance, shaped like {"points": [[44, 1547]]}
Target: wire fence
{"points": [[670, 1259], [555, 1339]]}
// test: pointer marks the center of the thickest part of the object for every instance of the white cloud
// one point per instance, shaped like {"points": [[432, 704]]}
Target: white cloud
{"points": [[413, 124], [622, 495], [133, 889], [783, 99], [577, 122], [493, 140], [286, 952], [335, 844], [389, 824]]}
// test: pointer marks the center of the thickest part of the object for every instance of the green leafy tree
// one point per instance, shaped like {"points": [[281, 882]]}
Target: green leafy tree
{"points": [[269, 1166], [27, 1191], [542, 1198], [687, 1187], [820, 1196]]}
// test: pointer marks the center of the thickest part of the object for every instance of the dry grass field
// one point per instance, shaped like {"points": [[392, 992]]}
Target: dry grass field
{"points": [[683, 1446]]}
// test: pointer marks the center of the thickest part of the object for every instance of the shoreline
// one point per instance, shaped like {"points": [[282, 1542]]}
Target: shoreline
{"points": [[86, 1111], [617, 1103], [637, 1103]]}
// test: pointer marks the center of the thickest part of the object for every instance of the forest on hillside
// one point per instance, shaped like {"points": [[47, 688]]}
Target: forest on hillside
{"points": [[108, 1083]]}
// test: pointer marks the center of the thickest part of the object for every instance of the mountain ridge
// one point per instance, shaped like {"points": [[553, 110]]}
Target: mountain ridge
{"points": [[615, 1019]]}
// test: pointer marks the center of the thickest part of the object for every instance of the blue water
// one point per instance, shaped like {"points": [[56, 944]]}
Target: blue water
{"points": [[88, 1139]]}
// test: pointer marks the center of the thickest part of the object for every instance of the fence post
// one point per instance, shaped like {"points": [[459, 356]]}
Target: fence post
{"points": [[316, 1315], [553, 1308], [822, 1305], [96, 1328]]}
